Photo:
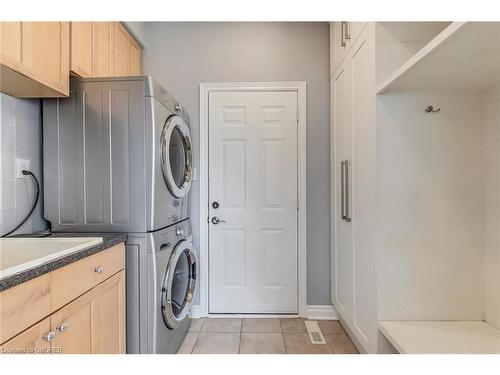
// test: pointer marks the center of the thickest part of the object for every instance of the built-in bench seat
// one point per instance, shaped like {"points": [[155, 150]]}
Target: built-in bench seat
{"points": [[441, 337]]}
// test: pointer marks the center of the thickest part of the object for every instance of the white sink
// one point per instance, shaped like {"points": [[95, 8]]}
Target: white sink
{"points": [[20, 254]]}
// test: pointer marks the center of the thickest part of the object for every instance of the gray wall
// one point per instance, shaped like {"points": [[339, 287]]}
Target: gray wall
{"points": [[182, 55], [20, 138]]}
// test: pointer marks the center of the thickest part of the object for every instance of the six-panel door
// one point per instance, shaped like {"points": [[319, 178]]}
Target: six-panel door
{"points": [[253, 202]]}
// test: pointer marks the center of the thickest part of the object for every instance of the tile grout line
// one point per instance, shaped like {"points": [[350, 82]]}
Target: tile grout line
{"points": [[197, 336], [283, 336]]}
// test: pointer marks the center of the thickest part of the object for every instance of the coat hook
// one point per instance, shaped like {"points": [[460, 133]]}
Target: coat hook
{"points": [[430, 109]]}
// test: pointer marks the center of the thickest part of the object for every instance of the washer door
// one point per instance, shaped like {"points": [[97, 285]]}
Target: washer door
{"points": [[177, 156], [179, 284]]}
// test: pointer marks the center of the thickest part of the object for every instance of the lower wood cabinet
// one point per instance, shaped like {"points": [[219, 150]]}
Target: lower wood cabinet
{"points": [[71, 327], [32, 341], [91, 323], [108, 316]]}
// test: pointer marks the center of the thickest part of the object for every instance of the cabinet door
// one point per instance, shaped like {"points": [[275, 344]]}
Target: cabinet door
{"points": [[10, 41], [31, 341], [341, 107], [361, 58], [121, 63], [108, 316], [45, 53], [72, 325], [354, 29], [134, 57], [81, 48], [103, 49], [339, 43]]}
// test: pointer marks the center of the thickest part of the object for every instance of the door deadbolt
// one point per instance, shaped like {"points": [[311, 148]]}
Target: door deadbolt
{"points": [[215, 205]]}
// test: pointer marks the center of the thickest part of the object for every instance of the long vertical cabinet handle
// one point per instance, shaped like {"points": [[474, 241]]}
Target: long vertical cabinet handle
{"points": [[342, 191], [342, 34], [348, 31], [346, 179]]}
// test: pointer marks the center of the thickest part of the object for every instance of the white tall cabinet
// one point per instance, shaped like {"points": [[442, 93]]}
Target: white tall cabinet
{"points": [[352, 169], [415, 198]]}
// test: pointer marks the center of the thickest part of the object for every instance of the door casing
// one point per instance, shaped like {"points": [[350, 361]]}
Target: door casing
{"points": [[300, 88]]}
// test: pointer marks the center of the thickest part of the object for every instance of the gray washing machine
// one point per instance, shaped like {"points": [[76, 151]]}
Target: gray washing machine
{"points": [[118, 157], [161, 282]]}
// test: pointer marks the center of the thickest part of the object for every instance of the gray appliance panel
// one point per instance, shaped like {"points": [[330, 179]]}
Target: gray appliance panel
{"points": [[145, 270], [101, 158]]}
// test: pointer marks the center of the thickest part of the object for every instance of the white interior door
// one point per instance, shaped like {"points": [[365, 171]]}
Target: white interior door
{"points": [[253, 192]]}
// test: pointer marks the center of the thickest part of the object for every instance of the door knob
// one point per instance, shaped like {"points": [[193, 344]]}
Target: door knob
{"points": [[216, 220]]}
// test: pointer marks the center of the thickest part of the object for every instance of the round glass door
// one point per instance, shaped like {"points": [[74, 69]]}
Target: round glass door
{"points": [[177, 156], [179, 284]]}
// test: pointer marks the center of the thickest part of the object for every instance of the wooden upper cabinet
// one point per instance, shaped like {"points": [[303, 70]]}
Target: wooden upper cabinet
{"points": [[134, 58], [103, 49], [82, 48], [103, 58], [127, 53], [34, 59], [121, 50], [10, 40]]}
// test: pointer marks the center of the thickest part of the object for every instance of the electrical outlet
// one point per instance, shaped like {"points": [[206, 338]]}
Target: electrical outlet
{"points": [[22, 165]]}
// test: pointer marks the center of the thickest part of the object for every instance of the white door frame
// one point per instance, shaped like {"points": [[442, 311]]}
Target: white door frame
{"points": [[300, 89]]}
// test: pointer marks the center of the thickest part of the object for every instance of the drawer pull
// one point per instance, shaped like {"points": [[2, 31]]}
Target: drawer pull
{"points": [[61, 327], [49, 336], [99, 269]]}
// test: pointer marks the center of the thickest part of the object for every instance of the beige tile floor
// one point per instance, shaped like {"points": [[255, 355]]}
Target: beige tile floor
{"points": [[263, 336]]}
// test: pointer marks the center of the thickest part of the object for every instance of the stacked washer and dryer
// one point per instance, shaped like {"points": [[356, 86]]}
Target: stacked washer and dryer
{"points": [[118, 157]]}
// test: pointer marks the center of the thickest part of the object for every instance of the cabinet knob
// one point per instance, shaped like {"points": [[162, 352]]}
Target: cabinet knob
{"points": [[61, 327], [49, 336], [99, 269]]}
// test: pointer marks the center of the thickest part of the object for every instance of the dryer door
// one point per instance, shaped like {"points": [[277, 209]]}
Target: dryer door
{"points": [[179, 284], [177, 156]]}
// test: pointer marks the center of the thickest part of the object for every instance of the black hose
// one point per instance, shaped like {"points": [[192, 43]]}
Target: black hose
{"points": [[37, 195]]}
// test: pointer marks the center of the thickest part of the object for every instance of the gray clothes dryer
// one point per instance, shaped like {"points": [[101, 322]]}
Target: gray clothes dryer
{"points": [[117, 157], [161, 281]]}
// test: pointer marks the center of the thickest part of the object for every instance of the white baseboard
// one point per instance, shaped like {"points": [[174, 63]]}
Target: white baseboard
{"points": [[321, 312], [196, 311], [314, 312]]}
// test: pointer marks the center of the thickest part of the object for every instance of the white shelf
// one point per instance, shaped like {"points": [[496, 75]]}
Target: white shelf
{"points": [[464, 56], [442, 337]]}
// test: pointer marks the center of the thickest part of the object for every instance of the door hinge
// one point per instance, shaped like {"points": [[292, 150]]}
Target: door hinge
{"points": [[298, 204], [297, 116]]}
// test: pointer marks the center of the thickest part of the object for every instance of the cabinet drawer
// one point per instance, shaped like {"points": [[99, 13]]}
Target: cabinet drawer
{"points": [[24, 305], [75, 279]]}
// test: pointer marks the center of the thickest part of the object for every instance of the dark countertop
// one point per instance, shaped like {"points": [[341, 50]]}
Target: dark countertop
{"points": [[108, 240]]}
